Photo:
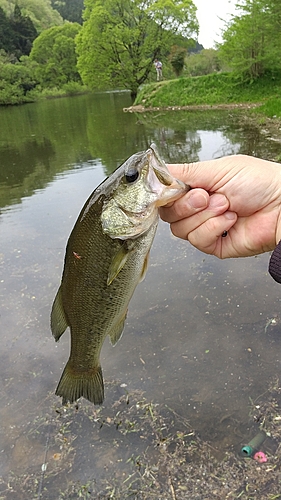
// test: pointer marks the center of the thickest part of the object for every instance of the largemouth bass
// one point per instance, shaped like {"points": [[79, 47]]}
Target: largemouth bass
{"points": [[106, 257]]}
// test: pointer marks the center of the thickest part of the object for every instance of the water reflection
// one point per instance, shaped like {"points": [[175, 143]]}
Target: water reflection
{"points": [[40, 141], [199, 339]]}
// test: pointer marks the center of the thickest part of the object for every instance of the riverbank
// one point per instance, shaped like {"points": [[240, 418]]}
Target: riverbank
{"points": [[212, 89], [259, 101], [14, 95], [138, 108]]}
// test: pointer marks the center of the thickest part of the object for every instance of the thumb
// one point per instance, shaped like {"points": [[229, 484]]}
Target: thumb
{"points": [[203, 174]]}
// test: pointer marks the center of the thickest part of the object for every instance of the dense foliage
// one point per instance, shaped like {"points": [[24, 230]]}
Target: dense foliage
{"points": [[177, 58], [16, 80], [51, 67], [71, 10], [205, 62], [120, 39], [17, 33], [252, 39], [54, 52], [43, 50], [40, 12]]}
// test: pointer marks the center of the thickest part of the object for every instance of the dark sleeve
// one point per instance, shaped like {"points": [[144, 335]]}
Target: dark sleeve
{"points": [[274, 267]]}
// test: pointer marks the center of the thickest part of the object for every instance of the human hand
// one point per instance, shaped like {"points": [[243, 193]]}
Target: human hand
{"points": [[239, 194]]}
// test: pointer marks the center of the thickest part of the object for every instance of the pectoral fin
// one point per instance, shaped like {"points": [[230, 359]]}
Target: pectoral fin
{"points": [[58, 319], [116, 333], [118, 262]]}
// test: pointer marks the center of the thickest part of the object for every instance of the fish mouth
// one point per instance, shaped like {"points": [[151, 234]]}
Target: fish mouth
{"points": [[162, 182], [175, 191]]}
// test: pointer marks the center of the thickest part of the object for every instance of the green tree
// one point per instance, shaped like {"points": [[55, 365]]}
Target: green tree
{"points": [[202, 63], [17, 33], [40, 12], [6, 33], [120, 39], [54, 51], [252, 39], [24, 32], [16, 80], [71, 10], [176, 58]]}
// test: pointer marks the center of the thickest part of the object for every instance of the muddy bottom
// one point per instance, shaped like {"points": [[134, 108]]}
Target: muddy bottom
{"points": [[143, 450]]}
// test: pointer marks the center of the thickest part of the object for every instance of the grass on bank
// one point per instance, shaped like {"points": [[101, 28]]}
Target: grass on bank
{"points": [[271, 108], [212, 89]]}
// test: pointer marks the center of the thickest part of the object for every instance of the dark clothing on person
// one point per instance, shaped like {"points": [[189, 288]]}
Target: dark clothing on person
{"points": [[274, 267]]}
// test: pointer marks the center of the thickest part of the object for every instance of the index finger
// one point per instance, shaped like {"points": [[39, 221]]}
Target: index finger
{"points": [[192, 202]]}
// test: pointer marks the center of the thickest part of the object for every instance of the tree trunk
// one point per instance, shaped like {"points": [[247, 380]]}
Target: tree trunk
{"points": [[133, 94]]}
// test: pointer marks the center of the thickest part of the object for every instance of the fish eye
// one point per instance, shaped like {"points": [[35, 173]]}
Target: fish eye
{"points": [[131, 176]]}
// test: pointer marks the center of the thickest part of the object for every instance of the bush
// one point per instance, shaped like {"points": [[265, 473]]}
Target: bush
{"points": [[16, 81], [72, 88]]}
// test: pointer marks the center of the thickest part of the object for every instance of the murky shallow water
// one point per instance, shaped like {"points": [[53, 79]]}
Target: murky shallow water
{"points": [[202, 338]]}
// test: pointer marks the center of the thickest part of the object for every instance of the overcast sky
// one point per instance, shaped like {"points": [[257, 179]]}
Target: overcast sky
{"points": [[208, 14]]}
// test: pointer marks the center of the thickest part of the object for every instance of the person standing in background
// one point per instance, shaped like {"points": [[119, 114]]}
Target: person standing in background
{"points": [[158, 67]]}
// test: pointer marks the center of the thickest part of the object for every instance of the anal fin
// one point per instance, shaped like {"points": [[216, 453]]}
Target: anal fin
{"points": [[115, 333], [58, 319]]}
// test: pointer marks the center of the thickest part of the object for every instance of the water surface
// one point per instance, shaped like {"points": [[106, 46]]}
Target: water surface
{"points": [[202, 336]]}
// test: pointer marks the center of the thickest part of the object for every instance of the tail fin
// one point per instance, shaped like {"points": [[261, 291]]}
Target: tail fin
{"points": [[74, 384]]}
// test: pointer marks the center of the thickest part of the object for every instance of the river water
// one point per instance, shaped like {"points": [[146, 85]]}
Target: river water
{"points": [[202, 339]]}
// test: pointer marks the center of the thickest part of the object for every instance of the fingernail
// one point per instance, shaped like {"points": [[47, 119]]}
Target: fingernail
{"points": [[217, 201], [197, 200], [230, 215]]}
